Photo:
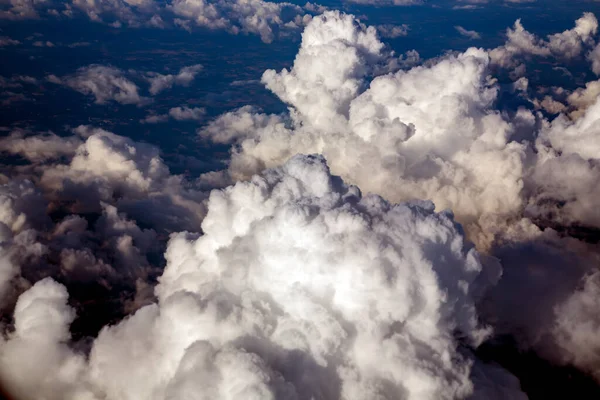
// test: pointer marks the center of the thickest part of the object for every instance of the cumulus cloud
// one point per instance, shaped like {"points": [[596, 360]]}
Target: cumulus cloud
{"points": [[392, 139], [433, 132], [392, 31], [568, 44], [108, 167], [186, 113], [594, 57], [275, 300], [389, 2], [77, 208], [6, 41], [467, 33], [263, 18], [183, 113], [39, 147], [104, 83], [96, 171], [254, 16], [577, 324], [134, 13], [160, 82], [21, 9]]}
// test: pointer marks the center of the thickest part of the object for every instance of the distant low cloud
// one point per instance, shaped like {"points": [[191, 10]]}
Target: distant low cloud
{"points": [[177, 113], [104, 83], [389, 2], [566, 45], [186, 113], [160, 82], [107, 83], [40, 43], [393, 31], [263, 18], [467, 33], [6, 41]]}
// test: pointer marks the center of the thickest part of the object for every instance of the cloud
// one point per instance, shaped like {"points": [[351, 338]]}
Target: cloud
{"points": [[594, 57], [566, 45], [263, 18], [517, 182], [133, 13], [105, 83], [185, 113], [389, 2], [392, 31], [577, 324], [154, 118], [93, 211], [40, 147], [422, 133], [40, 43], [160, 82], [275, 300], [6, 41], [467, 33], [255, 16], [108, 83], [21, 9]]}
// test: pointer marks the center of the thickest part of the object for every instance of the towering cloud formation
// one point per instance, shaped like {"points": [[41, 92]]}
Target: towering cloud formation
{"points": [[299, 287], [433, 132], [428, 133]]}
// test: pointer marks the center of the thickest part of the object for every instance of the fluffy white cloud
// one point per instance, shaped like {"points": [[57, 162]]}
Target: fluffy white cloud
{"points": [[104, 83], [430, 132], [35, 359], [389, 2], [567, 44], [108, 167], [295, 285], [263, 18], [135, 13], [251, 16], [594, 57], [21, 9], [186, 113], [433, 132], [467, 33], [160, 82], [393, 31], [577, 326], [39, 147]]}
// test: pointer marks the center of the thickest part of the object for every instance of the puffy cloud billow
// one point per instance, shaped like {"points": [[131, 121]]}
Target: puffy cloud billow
{"points": [[433, 132], [263, 18], [299, 287], [427, 133], [91, 209]]}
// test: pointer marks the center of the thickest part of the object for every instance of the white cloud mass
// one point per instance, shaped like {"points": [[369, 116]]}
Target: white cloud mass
{"points": [[292, 291], [104, 83]]}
